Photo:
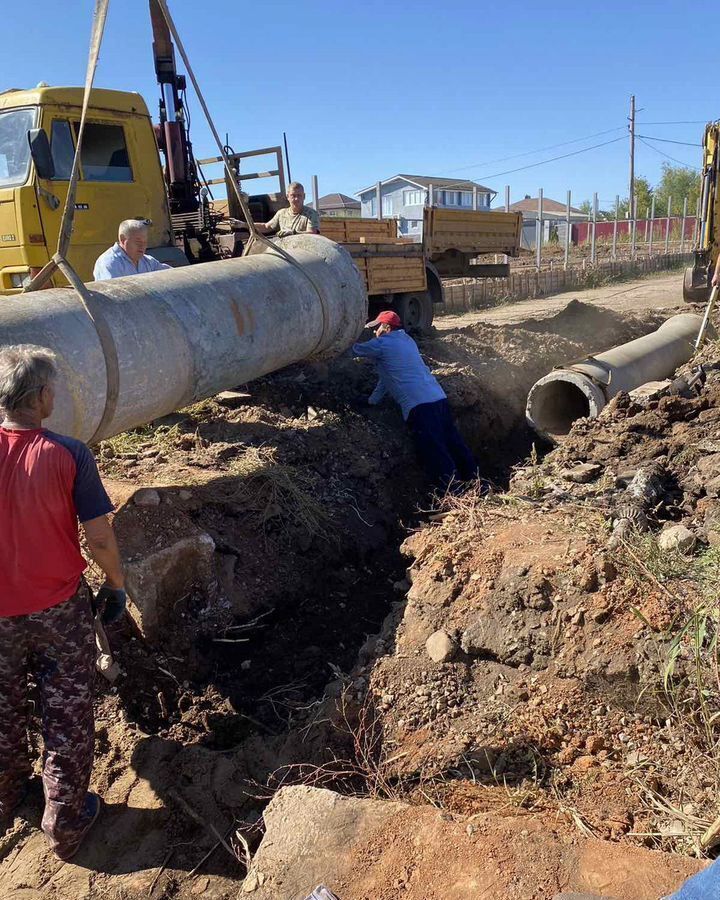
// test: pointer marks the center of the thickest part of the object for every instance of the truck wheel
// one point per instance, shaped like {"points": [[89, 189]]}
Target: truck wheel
{"points": [[695, 286], [415, 310]]}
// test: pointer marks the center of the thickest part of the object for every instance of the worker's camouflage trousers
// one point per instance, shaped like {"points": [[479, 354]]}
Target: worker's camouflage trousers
{"points": [[54, 648]]}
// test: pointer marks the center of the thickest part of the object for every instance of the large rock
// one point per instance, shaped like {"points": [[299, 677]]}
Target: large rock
{"points": [[582, 473], [309, 839], [575, 896], [495, 637], [499, 633], [712, 486], [146, 497], [676, 537], [165, 557], [709, 466], [440, 646]]}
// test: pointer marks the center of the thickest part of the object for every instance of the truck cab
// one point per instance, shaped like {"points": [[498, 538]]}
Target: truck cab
{"points": [[120, 178]]}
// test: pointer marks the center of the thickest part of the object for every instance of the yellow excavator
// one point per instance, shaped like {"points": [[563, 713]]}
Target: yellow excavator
{"points": [[696, 284]]}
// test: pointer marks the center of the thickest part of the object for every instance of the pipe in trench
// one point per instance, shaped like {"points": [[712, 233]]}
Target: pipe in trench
{"points": [[581, 389], [185, 334]]}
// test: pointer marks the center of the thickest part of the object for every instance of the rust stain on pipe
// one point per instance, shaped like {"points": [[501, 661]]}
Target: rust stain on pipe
{"points": [[238, 316]]}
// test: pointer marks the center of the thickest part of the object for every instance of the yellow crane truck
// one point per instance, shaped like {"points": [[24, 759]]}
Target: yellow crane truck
{"points": [[133, 168], [696, 284]]}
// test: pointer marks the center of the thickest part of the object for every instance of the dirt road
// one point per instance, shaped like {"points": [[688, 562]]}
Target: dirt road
{"points": [[657, 292]]}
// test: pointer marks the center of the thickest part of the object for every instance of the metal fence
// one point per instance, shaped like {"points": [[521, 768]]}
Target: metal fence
{"points": [[480, 293], [547, 226]]}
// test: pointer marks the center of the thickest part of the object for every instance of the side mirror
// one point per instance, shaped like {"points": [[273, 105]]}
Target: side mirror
{"points": [[40, 152]]}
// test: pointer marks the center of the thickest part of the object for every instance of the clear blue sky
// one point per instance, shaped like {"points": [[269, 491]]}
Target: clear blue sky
{"points": [[365, 90]]}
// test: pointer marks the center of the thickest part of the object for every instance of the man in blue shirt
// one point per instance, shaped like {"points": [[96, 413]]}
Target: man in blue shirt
{"points": [[127, 256], [403, 374]]}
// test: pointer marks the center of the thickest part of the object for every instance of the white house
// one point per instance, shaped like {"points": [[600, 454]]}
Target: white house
{"points": [[403, 197], [554, 218]]}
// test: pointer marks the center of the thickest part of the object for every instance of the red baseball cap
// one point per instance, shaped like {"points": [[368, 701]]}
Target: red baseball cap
{"points": [[387, 317]]}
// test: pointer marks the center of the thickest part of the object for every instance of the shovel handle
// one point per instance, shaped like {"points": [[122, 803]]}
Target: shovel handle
{"points": [[706, 318]]}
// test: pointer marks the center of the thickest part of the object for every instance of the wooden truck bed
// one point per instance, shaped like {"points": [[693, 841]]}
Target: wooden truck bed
{"points": [[471, 231], [389, 268], [451, 238], [388, 264]]}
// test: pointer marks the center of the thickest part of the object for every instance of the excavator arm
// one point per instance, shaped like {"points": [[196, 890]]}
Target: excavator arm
{"points": [[696, 285]]}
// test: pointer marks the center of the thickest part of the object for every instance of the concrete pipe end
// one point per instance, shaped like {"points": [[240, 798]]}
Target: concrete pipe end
{"points": [[337, 276], [557, 400]]}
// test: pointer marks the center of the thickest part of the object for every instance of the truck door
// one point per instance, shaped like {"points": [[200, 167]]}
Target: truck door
{"points": [[109, 189]]}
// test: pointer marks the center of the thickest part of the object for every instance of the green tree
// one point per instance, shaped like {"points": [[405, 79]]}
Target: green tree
{"points": [[602, 214], [677, 182], [644, 193]]}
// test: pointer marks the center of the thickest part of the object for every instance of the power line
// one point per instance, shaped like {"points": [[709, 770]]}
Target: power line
{"points": [[490, 162], [649, 137], [667, 155], [553, 159], [691, 122]]}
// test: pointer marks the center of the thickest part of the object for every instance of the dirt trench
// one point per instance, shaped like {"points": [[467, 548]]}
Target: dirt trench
{"points": [[307, 495], [315, 598]]}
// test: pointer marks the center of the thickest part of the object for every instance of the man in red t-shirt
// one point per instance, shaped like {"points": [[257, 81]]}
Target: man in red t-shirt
{"points": [[47, 483]]}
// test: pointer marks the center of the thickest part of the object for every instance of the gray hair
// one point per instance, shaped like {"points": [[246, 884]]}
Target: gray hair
{"points": [[131, 226], [295, 184], [24, 370]]}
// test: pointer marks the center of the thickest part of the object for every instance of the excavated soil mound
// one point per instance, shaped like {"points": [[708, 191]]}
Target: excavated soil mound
{"points": [[583, 322]]}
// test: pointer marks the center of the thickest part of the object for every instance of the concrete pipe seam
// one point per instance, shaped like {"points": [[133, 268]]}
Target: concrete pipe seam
{"points": [[185, 334], [581, 389]]}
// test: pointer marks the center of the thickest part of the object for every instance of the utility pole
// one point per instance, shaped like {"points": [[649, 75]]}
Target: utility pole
{"points": [[593, 245], [615, 227], [631, 195], [568, 228], [539, 230]]}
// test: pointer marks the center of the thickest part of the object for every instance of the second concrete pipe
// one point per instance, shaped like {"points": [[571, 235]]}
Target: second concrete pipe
{"points": [[184, 334], [581, 389]]}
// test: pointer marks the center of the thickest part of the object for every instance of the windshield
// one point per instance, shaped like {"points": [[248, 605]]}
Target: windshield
{"points": [[14, 146]]}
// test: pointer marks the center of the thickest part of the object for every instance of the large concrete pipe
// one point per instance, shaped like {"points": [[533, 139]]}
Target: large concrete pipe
{"points": [[184, 334], [581, 389]]}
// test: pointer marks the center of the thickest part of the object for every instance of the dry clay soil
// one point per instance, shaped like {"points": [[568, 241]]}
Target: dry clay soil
{"points": [[308, 495]]}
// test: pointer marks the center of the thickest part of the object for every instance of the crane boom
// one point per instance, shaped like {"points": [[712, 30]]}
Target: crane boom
{"points": [[173, 140]]}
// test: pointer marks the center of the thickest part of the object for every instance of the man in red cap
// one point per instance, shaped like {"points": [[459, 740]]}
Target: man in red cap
{"points": [[402, 373]]}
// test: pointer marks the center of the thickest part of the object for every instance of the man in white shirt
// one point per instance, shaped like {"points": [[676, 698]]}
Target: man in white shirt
{"points": [[127, 256]]}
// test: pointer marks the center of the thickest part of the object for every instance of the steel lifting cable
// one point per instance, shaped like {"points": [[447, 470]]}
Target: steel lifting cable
{"points": [[254, 233], [59, 260]]}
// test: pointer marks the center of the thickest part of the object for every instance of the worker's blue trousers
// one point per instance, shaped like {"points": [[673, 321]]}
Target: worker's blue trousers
{"points": [[704, 886], [439, 444]]}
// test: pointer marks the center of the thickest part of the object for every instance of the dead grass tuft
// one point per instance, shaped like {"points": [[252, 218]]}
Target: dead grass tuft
{"points": [[155, 440], [689, 688], [277, 493], [361, 772], [642, 557]]}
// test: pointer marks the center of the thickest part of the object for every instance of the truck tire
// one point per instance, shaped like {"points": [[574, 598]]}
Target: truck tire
{"points": [[695, 286], [415, 309]]}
